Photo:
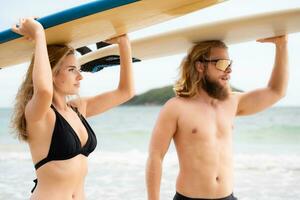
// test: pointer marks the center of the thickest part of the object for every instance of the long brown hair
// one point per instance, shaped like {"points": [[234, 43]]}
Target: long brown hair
{"points": [[190, 79], [56, 53]]}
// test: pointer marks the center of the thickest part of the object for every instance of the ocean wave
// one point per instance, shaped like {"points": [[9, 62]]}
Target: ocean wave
{"points": [[4, 156], [267, 162]]}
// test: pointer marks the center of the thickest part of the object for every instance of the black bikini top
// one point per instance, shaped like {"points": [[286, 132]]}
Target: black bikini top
{"points": [[65, 143]]}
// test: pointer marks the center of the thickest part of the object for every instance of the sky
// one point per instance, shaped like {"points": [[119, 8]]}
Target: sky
{"points": [[252, 66]]}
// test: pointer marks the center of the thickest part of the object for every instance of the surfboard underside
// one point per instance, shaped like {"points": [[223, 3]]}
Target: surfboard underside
{"points": [[103, 25], [230, 31]]}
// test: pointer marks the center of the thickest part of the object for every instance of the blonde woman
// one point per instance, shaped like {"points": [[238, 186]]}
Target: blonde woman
{"points": [[59, 137]]}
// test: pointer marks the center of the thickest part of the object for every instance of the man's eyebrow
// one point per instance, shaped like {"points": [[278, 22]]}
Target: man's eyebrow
{"points": [[218, 58]]}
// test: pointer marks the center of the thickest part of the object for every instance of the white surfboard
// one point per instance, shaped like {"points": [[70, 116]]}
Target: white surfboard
{"points": [[231, 31], [96, 21]]}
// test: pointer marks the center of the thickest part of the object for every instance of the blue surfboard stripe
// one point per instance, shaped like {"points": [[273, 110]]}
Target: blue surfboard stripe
{"points": [[69, 15]]}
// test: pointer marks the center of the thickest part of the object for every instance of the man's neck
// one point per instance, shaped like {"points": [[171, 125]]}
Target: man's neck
{"points": [[203, 96]]}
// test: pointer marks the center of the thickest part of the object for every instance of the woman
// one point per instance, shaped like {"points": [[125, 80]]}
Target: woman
{"points": [[59, 137]]}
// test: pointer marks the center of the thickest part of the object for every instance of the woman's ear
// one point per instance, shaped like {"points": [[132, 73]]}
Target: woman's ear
{"points": [[199, 66]]}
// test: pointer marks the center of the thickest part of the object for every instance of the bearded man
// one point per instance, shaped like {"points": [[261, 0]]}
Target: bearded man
{"points": [[200, 121]]}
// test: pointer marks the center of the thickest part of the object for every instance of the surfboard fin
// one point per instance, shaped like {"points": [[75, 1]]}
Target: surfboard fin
{"points": [[102, 45], [83, 50], [100, 63]]}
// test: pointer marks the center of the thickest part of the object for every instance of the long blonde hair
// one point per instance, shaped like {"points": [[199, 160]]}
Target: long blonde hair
{"points": [[190, 79], [56, 53]]}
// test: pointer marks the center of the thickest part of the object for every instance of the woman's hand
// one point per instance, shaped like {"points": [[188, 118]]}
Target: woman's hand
{"points": [[29, 28], [118, 40]]}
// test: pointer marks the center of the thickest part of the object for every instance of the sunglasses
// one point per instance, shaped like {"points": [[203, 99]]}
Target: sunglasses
{"points": [[221, 64]]}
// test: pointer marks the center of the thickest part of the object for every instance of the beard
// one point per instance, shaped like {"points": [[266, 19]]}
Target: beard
{"points": [[214, 89]]}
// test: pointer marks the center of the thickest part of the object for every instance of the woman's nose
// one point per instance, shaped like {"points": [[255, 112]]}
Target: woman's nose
{"points": [[80, 77]]}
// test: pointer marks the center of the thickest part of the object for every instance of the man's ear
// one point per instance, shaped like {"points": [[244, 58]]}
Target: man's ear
{"points": [[200, 66]]}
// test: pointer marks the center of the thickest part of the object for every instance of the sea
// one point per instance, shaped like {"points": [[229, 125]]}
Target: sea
{"points": [[266, 156]]}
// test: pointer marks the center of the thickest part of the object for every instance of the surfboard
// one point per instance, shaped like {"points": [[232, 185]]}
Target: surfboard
{"points": [[96, 21], [231, 31]]}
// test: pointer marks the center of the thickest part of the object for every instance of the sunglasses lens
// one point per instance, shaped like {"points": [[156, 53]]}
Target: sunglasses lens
{"points": [[223, 64]]}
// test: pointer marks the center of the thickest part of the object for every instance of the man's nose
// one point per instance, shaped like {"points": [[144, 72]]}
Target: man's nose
{"points": [[228, 70]]}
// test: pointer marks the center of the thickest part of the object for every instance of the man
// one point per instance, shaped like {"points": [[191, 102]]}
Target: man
{"points": [[200, 118]]}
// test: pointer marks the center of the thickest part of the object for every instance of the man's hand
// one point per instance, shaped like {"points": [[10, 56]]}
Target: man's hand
{"points": [[278, 40]]}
